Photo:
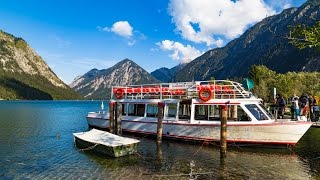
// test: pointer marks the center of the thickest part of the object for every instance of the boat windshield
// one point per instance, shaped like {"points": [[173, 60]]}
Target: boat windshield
{"points": [[267, 111], [256, 112]]}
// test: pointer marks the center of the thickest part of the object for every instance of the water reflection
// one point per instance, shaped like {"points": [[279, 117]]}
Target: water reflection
{"points": [[36, 142], [178, 160]]}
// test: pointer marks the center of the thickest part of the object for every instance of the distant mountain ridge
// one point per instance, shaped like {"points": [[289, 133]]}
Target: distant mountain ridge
{"points": [[262, 44], [165, 74], [25, 75], [96, 84]]}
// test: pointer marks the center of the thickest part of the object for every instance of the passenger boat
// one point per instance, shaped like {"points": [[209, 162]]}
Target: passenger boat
{"points": [[191, 112]]}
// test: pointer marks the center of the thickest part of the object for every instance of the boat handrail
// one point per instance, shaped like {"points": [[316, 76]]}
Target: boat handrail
{"points": [[221, 89]]}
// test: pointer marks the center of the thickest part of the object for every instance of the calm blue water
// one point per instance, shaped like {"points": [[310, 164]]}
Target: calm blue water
{"points": [[36, 142]]}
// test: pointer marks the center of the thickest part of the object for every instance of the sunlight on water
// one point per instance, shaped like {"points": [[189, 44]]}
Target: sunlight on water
{"points": [[36, 142]]}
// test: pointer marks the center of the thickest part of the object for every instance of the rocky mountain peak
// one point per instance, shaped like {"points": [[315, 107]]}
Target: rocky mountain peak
{"points": [[17, 56], [25, 75], [98, 84], [313, 2]]}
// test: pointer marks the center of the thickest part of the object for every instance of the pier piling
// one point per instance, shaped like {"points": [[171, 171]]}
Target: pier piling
{"points": [[118, 128], [234, 112], [223, 131], [160, 119], [111, 118]]}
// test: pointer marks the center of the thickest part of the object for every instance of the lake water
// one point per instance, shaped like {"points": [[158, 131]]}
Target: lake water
{"points": [[36, 142]]}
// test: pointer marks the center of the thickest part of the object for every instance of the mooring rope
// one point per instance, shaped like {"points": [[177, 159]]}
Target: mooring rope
{"points": [[199, 148], [89, 148], [136, 153]]}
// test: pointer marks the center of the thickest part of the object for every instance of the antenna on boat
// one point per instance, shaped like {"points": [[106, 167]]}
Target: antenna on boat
{"points": [[102, 106]]}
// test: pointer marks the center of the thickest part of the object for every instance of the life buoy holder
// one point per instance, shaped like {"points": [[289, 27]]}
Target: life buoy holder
{"points": [[119, 93], [205, 94]]}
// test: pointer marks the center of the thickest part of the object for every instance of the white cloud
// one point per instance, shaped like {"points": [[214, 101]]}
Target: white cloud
{"points": [[131, 43], [205, 21], [121, 28], [124, 29], [280, 5], [182, 53]]}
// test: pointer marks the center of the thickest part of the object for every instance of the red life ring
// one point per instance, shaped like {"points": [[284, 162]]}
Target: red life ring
{"points": [[119, 93], [205, 94]]}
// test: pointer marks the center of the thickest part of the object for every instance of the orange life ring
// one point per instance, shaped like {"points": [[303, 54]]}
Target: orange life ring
{"points": [[119, 93], [203, 91]]}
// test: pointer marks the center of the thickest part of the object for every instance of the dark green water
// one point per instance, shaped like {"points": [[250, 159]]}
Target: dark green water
{"points": [[36, 142]]}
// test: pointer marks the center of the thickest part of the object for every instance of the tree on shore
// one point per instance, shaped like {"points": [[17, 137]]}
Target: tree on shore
{"points": [[287, 84], [303, 36]]}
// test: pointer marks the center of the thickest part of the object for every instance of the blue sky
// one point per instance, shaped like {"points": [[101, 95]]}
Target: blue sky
{"points": [[76, 36]]}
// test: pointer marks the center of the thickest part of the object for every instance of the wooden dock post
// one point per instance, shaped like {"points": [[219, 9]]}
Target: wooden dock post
{"points": [[160, 119], [111, 118], [223, 130], [118, 128], [234, 111]]}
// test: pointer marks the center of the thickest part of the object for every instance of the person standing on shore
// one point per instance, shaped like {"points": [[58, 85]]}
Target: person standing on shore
{"points": [[296, 107], [293, 105], [280, 105], [312, 103], [303, 104]]}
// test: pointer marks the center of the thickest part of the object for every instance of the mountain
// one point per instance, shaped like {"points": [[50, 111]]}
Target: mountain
{"points": [[96, 84], [262, 44], [24, 74], [165, 74]]}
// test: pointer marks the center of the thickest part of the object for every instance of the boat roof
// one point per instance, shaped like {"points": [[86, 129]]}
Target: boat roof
{"points": [[215, 90], [102, 137]]}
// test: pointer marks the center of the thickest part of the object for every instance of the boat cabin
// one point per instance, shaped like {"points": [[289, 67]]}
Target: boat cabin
{"points": [[191, 102]]}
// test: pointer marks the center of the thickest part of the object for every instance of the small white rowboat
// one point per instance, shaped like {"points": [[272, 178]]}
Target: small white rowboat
{"points": [[106, 143]]}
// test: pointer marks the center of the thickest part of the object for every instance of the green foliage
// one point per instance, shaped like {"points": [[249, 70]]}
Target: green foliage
{"points": [[287, 84], [303, 36], [23, 86]]}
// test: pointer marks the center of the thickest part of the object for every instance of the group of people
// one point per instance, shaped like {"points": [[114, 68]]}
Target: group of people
{"points": [[303, 106]]}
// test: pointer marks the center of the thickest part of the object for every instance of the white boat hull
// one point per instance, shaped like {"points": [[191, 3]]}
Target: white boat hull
{"points": [[286, 133], [106, 143]]}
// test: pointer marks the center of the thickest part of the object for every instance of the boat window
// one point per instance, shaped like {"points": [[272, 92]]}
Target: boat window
{"points": [[124, 109], [152, 110], [207, 112], [136, 109], [171, 110], [256, 112], [238, 114], [212, 113], [184, 111]]}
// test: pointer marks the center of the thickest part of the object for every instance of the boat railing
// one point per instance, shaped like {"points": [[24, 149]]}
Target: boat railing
{"points": [[220, 89]]}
